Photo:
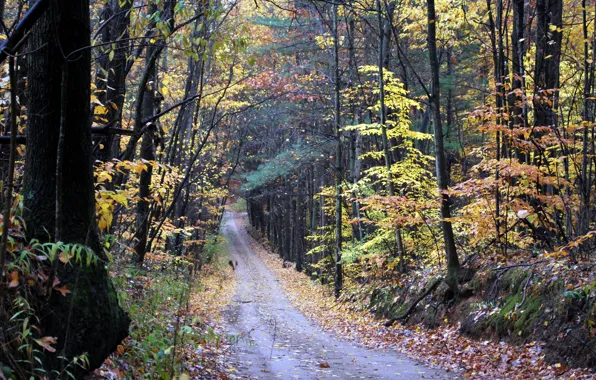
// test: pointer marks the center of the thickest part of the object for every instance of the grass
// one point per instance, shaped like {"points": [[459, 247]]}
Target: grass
{"points": [[173, 315], [239, 205]]}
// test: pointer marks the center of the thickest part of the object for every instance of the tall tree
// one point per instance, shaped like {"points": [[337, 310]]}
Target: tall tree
{"points": [[549, 33], [383, 62], [89, 320], [453, 265], [149, 106], [338, 158]]}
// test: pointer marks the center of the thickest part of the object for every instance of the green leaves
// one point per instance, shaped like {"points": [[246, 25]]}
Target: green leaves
{"points": [[65, 253], [285, 163]]}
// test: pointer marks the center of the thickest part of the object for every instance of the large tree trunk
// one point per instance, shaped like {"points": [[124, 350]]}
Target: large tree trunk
{"points": [[548, 56], [89, 319]]}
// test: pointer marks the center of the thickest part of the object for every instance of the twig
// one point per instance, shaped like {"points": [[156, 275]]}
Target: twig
{"points": [[519, 265], [402, 317], [525, 291], [274, 335]]}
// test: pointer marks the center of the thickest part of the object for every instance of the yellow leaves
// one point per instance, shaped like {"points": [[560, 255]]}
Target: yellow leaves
{"points": [[326, 41], [95, 100], [106, 202], [105, 221], [103, 176], [120, 199], [101, 110]]}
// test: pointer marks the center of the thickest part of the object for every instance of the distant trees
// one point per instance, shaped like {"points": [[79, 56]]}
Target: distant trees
{"points": [[512, 140]]}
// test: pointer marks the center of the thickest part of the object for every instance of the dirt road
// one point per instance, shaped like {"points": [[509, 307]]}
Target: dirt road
{"points": [[279, 342]]}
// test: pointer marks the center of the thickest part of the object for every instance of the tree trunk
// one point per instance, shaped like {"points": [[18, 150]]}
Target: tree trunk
{"points": [[287, 230], [549, 25], [89, 319], [382, 120], [517, 98], [116, 88], [147, 153], [588, 116], [338, 163], [453, 265]]}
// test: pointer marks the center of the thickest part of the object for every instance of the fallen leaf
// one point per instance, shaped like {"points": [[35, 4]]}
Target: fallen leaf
{"points": [[46, 341], [62, 289], [64, 257], [14, 279]]}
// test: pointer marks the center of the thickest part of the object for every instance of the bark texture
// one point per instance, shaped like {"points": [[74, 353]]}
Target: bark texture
{"points": [[88, 320]]}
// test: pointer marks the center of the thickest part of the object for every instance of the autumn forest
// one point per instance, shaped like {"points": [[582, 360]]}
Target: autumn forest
{"points": [[297, 189]]}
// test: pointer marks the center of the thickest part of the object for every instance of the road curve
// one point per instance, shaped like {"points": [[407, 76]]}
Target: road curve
{"points": [[278, 342]]}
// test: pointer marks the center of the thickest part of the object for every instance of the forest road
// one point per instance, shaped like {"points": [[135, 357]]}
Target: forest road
{"points": [[278, 342]]}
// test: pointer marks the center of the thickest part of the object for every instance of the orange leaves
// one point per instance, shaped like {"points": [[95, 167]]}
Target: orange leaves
{"points": [[14, 279], [574, 244], [46, 343], [62, 289]]}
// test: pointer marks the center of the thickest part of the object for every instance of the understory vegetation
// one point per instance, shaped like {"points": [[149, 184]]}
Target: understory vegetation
{"points": [[174, 332]]}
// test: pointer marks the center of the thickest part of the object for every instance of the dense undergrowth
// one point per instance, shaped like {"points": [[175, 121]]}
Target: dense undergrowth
{"points": [[175, 331]]}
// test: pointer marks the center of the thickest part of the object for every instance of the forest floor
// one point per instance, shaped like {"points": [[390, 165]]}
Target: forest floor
{"points": [[275, 340]]}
